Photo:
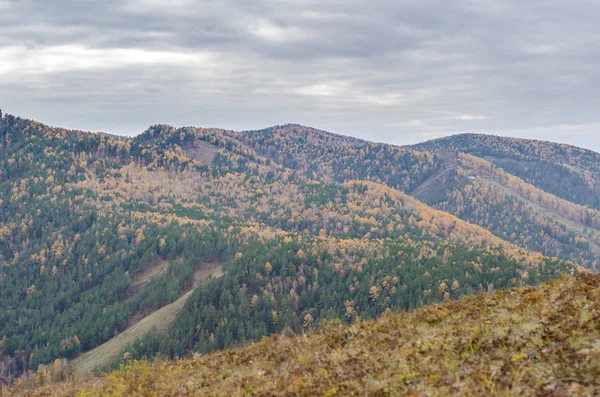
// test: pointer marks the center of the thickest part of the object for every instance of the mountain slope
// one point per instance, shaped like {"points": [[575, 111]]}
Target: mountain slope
{"points": [[565, 171], [436, 175], [160, 320], [308, 225], [482, 192], [528, 341]]}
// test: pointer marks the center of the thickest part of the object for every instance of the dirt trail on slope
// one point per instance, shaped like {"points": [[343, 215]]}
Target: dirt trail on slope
{"points": [[435, 184], [101, 356]]}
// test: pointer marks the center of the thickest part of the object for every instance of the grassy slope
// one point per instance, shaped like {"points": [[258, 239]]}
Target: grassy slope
{"points": [[530, 341], [434, 186], [103, 355]]}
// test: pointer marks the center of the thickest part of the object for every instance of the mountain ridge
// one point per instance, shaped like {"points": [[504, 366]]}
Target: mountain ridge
{"points": [[567, 171], [426, 143], [468, 135]]}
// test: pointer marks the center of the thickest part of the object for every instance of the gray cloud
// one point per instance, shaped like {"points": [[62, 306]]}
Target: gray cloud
{"points": [[393, 71]]}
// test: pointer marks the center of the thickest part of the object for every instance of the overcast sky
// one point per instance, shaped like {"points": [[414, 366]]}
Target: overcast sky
{"points": [[397, 71]]}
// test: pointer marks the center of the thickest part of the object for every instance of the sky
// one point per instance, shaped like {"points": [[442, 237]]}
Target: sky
{"points": [[396, 71]]}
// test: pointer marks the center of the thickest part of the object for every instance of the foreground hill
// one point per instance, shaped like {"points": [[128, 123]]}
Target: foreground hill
{"points": [[527, 341]]}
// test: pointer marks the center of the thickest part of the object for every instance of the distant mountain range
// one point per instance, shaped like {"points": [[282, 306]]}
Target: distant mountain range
{"points": [[99, 232]]}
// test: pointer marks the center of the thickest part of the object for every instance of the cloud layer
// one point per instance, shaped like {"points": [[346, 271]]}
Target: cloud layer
{"points": [[393, 71]]}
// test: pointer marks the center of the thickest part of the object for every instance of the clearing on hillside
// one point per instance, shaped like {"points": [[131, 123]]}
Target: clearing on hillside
{"points": [[90, 362]]}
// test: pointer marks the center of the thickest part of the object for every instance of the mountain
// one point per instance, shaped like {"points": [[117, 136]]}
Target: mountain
{"points": [[539, 195], [565, 171], [101, 235], [527, 341]]}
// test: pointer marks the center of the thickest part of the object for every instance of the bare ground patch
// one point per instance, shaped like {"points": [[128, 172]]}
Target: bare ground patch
{"points": [[142, 278], [160, 320]]}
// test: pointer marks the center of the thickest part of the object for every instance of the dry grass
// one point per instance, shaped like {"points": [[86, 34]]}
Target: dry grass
{"points": [[531, 341]]}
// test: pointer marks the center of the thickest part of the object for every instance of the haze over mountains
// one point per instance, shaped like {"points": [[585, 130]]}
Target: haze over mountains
{"points": [[296, 225]]}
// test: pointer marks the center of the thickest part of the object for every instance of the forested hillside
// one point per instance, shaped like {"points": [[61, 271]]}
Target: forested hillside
{"points": [[566, 171], [97, 231], [539, 195], [540, 341]]}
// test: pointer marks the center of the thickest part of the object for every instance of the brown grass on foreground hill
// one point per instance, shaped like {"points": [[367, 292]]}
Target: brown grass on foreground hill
{"points": [[530, 341]]}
